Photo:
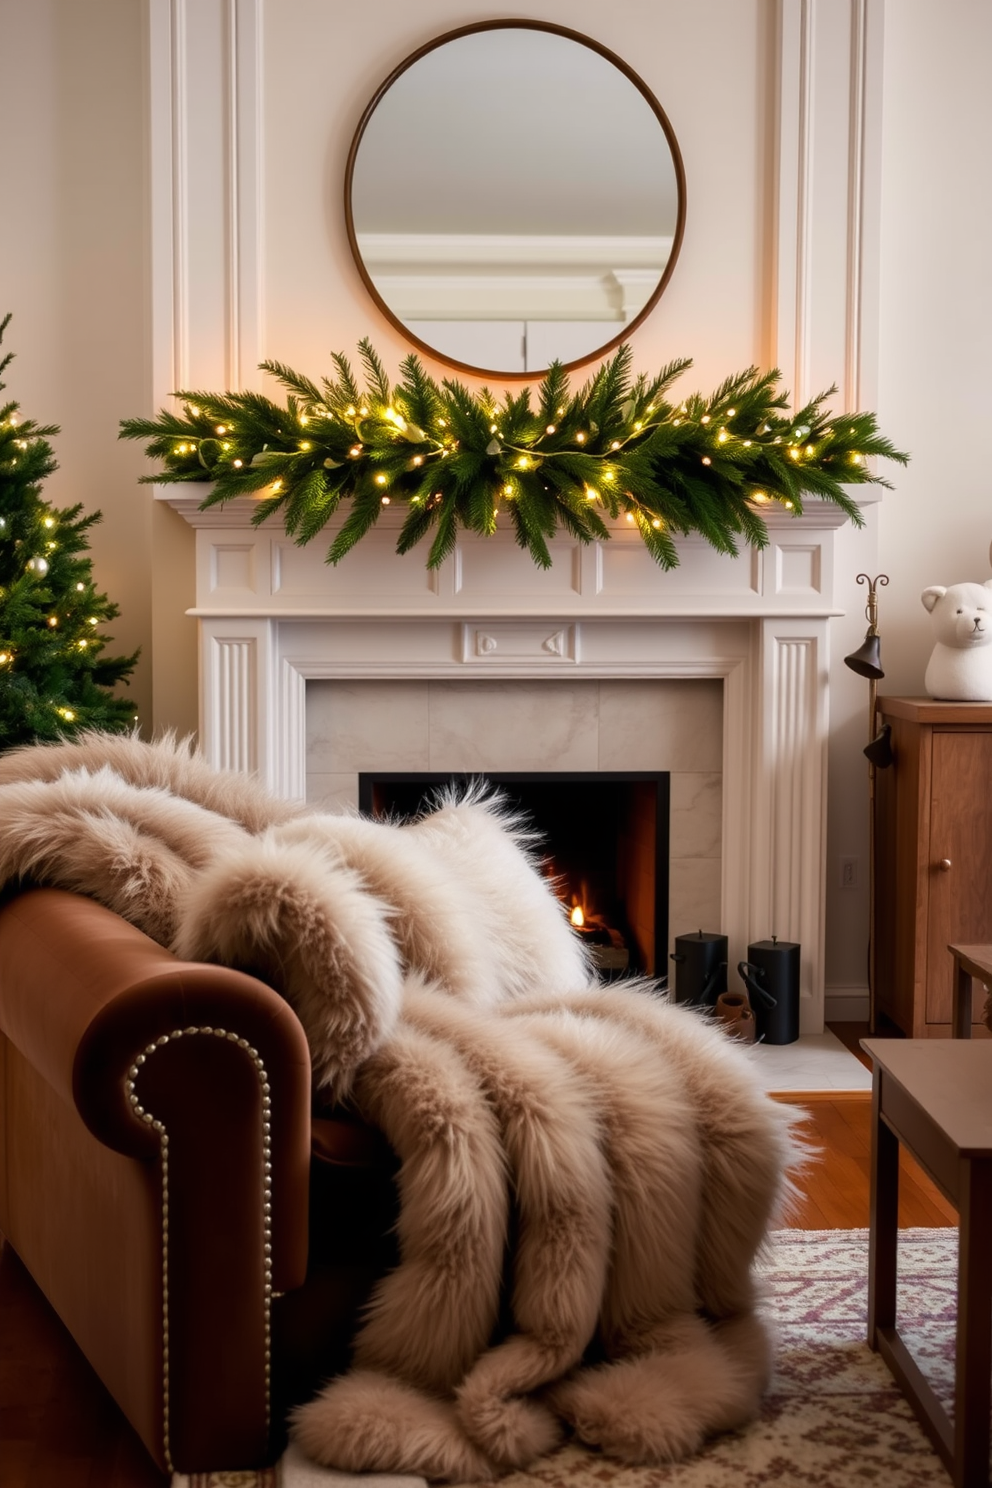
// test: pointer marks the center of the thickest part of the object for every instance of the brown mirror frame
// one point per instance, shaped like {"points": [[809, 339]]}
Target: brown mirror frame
{"points": [[657, 110]]}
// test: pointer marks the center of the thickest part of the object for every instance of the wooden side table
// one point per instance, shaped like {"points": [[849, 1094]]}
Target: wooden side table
{"points": [[935, 1097], [972, 963]]}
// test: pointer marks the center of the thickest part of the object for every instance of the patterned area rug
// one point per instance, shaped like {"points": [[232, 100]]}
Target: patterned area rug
{"points": [[833, 1416]]}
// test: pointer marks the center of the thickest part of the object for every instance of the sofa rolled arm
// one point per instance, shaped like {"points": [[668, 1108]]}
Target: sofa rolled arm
{"points": [[143, 1044]]}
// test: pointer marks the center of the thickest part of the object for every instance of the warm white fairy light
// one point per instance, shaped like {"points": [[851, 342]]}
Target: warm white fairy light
{"points": [[237, 464], [92, 620], [705, 419], [723, 436], [350, 411], [80, 588], [731, 412], [66, 713], [381, 480], [615, 444], [523, 463], [551, 429], [707, 460], [221, 429], [355, 451], [304, 444], [591, 493], [277, 485], [630, 516], [580, 438], [508, 489], [656, 523], [49, 521], [53, 620], [418, 459], [385, 501]]}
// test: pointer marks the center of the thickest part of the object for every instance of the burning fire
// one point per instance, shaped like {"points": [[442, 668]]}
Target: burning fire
{"points": [[577, 917]]}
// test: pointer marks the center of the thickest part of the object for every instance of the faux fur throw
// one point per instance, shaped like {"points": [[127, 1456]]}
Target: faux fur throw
{"points": [[622, 1142]]}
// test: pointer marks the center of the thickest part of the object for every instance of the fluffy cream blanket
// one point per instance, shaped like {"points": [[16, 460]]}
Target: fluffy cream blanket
{"points": [[622, 1142]]}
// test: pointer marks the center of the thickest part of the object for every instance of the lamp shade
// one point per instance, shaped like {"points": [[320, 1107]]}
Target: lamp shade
{"points": [[880, 752], [866, 661]]}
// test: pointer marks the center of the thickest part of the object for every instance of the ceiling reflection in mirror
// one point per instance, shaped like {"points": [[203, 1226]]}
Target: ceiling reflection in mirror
{"points": [[514, 196]]}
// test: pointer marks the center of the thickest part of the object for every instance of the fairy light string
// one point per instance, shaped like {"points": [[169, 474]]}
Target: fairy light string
{"points": [[455, 459]]}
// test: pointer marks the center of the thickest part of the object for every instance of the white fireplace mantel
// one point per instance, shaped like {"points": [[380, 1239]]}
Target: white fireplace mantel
{"points": [[273, 616]]}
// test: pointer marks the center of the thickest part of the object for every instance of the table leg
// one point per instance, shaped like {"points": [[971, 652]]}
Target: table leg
{"points": [[884, 1218], [963, 996], [973, 1372]]}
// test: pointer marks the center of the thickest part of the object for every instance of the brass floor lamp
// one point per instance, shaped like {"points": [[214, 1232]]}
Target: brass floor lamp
{"points": [[867, 662]]}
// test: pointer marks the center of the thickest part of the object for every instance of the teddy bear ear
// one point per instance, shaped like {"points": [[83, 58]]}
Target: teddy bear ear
{"points": [[930, 596], [987, 584]]}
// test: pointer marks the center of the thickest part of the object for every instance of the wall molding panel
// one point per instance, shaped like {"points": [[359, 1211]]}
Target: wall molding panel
{"points": [[206, 150]]}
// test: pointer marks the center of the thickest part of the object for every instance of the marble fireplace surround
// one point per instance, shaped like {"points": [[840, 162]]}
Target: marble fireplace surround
{"points": [[273, 616]]}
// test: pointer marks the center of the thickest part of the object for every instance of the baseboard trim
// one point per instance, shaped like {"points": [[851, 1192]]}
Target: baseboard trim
{"points": [[845, 1005], [804, 1097]]}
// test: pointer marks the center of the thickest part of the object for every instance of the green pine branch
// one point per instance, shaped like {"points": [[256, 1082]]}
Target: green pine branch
{"points": [[452, 459]]}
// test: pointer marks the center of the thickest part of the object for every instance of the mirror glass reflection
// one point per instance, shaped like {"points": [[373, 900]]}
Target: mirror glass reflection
{"points": [[514, 196]]}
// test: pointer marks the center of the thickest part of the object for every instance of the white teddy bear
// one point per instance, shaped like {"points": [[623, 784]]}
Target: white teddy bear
{"points": [[960, 668]]}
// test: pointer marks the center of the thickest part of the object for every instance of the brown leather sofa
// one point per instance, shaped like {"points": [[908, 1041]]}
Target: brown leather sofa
{"points": [[206, 1238]]}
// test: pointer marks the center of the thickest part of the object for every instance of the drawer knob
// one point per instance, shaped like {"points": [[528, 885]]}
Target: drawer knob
{"points": [[944, 865]]}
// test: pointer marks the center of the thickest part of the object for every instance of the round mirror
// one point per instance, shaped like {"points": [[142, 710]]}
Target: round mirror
{"points": [[514, 196]]}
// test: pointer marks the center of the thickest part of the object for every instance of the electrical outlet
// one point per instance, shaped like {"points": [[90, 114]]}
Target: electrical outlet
{"points": [[849, 873]]}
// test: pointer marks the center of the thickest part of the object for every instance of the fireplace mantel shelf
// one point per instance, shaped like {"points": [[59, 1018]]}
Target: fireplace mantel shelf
{"points": [[247, 571]]}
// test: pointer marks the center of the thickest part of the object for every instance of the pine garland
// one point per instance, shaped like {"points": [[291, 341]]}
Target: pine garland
{"points": [[456, 459], [54, 679]]}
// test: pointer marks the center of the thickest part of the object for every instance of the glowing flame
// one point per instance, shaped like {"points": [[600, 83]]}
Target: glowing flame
{"points": [[577, 917]]}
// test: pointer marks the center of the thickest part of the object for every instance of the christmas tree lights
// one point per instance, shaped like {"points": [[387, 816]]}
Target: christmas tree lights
{"points": [[457, 459], [54, 678]]}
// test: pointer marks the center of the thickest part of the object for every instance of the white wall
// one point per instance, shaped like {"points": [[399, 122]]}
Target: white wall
{"points": [[78, 269], [933, 393]]}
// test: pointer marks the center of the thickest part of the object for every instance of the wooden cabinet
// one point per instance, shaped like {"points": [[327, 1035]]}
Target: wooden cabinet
{"points": [[933, 856]]}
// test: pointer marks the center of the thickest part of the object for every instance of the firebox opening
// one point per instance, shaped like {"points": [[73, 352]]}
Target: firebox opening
{"points": [[603, 840]]}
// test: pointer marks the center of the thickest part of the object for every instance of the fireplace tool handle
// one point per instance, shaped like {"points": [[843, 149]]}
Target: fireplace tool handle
{"points": [[708, 990], [750, 975]]}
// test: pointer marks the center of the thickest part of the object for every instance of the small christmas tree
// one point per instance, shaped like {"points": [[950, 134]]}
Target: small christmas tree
{"points": [[54, 678]]}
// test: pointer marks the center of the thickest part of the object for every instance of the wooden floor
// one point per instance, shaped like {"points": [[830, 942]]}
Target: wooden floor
{"points": [[60, 1429]]}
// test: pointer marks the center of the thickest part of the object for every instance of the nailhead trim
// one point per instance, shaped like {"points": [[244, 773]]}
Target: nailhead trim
{"points": [[163, 1136]]}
